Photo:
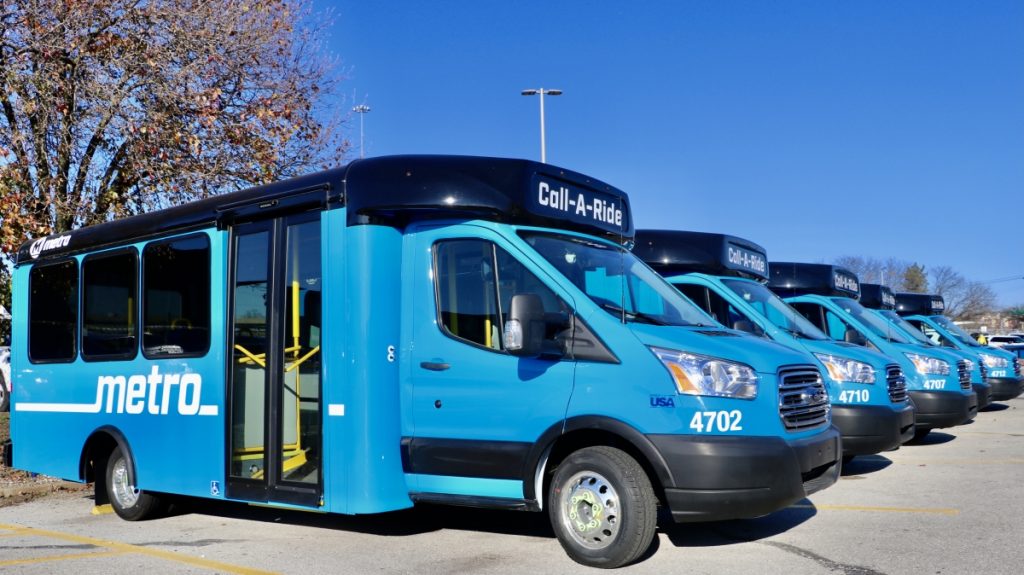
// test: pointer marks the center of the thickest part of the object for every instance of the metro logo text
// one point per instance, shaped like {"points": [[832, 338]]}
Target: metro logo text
{"points": [[156, 394]]}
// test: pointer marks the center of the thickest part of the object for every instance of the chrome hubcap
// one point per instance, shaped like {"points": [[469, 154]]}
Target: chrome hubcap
{"points": [[590, 510], [124, 492]]}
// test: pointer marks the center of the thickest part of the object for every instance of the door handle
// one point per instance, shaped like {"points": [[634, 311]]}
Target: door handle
{"points": [[434, 365]]}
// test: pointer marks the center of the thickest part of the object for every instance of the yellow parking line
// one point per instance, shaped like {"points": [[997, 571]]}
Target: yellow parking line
{"points": [[34, 560], [932, 510], [128, 548]]}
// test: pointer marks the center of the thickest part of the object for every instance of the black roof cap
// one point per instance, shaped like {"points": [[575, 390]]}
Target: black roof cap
{"points": [[877, 296], [919, 304], [792, 279], [672, 252], [388, 190]]}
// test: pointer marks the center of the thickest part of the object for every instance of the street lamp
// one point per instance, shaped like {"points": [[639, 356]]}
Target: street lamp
{"points": [[542, 92], [361, 109]]}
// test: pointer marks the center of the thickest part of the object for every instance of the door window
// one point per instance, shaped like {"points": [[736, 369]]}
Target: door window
{"points": [[475, 284]]}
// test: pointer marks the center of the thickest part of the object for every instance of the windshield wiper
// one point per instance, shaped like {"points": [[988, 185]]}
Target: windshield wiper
{"points": [[632, 315]]}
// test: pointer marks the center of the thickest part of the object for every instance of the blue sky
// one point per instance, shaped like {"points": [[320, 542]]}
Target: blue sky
{"points": [[817, 129]]}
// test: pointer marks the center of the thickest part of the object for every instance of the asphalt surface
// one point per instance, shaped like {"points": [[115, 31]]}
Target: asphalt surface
{"points": [[950, 505]]}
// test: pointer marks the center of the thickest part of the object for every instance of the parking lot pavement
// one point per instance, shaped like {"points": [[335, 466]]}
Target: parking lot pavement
{"points": [[950, 505]]}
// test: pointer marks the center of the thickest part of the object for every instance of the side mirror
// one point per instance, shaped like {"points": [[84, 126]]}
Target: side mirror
{"points": [[747, 326], [853, 336], [524, 328]]}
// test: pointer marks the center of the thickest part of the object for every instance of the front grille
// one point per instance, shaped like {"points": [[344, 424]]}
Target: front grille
{"points": [[803, 401], [965, 374], [897, 383]]}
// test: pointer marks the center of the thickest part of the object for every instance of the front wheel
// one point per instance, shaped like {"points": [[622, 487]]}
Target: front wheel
{"points": [[128, 502], [602, 507]]}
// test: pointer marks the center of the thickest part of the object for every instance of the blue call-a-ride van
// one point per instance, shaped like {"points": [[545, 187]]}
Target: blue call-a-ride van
{"points": [[939, 383], [449, 329], [926, 313], [880, 300], [725, 276]]}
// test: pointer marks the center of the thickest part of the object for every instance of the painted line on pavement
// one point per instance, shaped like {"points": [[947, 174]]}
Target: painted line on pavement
{"points": [[928, 510], [118, 547]]}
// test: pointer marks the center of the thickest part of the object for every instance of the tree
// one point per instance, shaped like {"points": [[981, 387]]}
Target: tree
{"points": [[915, 280], [889, 272], [114, 107], [963, 298]]}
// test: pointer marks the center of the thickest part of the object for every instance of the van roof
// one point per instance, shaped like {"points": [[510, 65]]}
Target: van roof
{"points": [[919, 304], [877, 296], [389, 190], [672, 252], [792, 279]]}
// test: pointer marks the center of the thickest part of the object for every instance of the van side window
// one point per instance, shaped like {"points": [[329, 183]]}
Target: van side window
{"points": [[53, 312], [931, 333], [475, 284], [176, 297], [109, 300], [812, 312], [698, 295], [726, 314]]}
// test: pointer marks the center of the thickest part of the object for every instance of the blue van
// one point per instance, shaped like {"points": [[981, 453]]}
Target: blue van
{"points": [[881, 300], [725, 276], [448, 329], [925, 312], [939, 383]]}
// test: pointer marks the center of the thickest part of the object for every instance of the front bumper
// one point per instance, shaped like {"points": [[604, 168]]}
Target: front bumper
{"points": [[869, 429], [937, 409], [1004, 388], [984, 392], [730, 477]]}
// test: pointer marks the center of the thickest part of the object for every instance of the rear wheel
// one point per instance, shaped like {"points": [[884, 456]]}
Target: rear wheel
{"points": [[602, 507], [128, 502]]}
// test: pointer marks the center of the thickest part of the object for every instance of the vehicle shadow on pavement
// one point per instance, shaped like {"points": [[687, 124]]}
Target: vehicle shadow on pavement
{"points": [[426, 518], [992, 407], [933, 438], [423, 518], [865, 464], [717, 533]]}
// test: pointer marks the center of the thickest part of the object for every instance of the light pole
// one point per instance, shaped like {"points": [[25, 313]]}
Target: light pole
{"points": [[542, 92], [361, 109]]}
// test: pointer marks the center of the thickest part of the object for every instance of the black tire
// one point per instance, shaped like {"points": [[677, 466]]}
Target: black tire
{"points": [[847, 459], [128, 502], [5, 396], [589, 533]]}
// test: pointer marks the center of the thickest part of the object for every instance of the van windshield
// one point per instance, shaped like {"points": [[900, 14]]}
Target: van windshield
{"points": [[774, 309], [879, 326], [955, 330], [907, 327], [617, 280]]}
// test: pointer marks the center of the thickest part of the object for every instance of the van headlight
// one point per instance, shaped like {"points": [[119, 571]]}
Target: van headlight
{"points": [[844, 369], [993, 361], [926, 365], [702, 375]]}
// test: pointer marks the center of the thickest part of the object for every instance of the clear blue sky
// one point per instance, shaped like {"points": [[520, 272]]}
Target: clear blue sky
{"points": [[816, 128]]}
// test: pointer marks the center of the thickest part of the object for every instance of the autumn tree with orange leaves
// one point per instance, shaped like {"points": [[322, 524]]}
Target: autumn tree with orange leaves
{"points": [[116, 107]]}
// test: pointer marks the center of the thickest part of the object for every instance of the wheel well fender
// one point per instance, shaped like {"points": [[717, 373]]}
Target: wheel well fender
{"points": [[101, 443], [574, 433]]}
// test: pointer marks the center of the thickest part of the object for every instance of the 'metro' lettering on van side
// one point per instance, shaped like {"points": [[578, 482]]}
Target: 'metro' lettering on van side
{"points": [[155, 394]]}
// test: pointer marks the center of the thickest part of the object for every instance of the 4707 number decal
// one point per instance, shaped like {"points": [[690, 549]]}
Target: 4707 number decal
{"points": [[720, 421]]}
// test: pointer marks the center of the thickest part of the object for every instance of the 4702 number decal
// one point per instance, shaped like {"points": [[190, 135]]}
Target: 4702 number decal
{"points": [[720, 421]]}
